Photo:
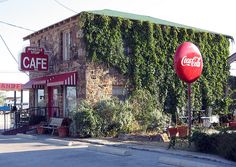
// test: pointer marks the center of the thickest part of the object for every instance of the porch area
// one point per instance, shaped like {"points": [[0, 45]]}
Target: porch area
{"points": [[27, 120]]}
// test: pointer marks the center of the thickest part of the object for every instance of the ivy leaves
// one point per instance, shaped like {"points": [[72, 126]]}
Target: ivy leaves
{"points": [[144, 52]]}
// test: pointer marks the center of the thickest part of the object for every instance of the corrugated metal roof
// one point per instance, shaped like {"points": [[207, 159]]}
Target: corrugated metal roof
{"points": [[114, 13], [131, 16]]}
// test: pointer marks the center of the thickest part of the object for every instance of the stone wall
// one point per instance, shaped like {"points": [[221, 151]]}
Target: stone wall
{"points": [[94, 81], [100, 81]]}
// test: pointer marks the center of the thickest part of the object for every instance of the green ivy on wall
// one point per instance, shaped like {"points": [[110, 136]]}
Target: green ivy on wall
{"points": [[144, 52]]}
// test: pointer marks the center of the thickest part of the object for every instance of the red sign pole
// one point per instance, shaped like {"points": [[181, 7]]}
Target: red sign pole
{"points": [[188, 65], [189, 109]]}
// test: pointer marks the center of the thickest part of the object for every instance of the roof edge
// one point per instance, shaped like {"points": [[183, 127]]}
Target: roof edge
{"points": [[113, 13]]}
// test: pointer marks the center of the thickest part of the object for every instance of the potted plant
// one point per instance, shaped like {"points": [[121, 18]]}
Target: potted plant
{"points": [[63, 131], [172, 132], [183, 131], [40, 130]]}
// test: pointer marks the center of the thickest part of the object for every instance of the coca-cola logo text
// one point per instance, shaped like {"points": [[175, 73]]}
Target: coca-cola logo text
{"points": [[192, 62]]}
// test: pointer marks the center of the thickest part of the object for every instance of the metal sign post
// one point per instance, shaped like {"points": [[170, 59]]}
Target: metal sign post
{"points": [[189, 109], [4, 121]]}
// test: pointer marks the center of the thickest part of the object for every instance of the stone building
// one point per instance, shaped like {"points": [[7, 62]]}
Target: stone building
{"points": [[70, 78]]}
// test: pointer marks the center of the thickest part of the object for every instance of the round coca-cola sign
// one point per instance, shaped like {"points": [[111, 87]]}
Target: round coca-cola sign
{"points": [[188, 62]]}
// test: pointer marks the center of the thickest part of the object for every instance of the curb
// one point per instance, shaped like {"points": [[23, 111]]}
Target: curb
{"points": [[59, 142], [183, 163], [109, 150], [159, 150]]}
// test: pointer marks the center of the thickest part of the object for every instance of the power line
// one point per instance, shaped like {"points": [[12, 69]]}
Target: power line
{"points": [[65, 6], [10, 51], [16, 26]]}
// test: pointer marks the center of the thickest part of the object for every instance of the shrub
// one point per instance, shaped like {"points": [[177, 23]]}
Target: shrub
{"points": [[147, 111], [106, 110], [222, 144], [227, 146], [109, 117], [124, 117], [87, 123], [115, 115], [204, 142]]}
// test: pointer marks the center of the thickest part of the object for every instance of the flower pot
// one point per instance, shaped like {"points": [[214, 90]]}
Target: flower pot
{"points": [[63, 131], [172, 132], [40, 130], [183, 131]]}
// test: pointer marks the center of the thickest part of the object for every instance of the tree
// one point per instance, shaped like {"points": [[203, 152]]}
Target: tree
{"points": [[2, 97]]}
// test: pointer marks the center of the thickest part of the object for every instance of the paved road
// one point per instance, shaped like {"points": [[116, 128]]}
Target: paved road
{"points": [[17, 151]]}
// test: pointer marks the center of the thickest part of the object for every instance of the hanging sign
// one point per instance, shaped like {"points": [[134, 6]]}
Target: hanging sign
{"points": [[33, 59], [188, 62]]}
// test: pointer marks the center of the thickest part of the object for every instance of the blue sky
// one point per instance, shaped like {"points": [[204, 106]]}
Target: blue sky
{"points": [[213, 15]]}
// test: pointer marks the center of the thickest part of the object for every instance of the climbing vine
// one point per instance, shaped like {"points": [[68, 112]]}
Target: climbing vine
{"points": [[144, 52]]}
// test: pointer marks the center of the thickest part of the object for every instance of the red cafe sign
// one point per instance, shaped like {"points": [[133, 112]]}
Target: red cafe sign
{"points": [[33, 59], [188, 62], [10, 86]]}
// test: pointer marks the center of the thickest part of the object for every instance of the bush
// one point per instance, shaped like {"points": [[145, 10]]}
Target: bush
{"points": [[222, 144], [106, 110], [115, 115], [87, 123], [124, 117], [110, 117], [227, 146], [204, 142], [147, 111]]}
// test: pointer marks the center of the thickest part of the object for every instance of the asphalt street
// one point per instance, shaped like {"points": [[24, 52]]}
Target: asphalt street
{"points": [[23, 151]]}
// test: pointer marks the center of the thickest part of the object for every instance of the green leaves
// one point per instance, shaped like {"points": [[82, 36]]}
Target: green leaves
{"points": [[144, 52]]}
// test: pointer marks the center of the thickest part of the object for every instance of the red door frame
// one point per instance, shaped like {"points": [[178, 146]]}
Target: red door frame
{"points": [[50, 100]]}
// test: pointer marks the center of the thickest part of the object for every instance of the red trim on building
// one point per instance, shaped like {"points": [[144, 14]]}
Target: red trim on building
{"points": [[36, 83], [69, 78]]}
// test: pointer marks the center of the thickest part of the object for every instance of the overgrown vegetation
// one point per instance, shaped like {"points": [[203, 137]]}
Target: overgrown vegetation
{"points": [[110, 117], [222, 144], [144, 52]]}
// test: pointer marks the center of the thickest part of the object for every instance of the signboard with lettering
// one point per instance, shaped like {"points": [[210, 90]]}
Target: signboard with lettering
{"points": [[33, 59], [10, 86], [188, 62]]}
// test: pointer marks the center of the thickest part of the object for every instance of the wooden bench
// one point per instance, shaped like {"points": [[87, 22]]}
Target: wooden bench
{"points": [[54, 124]]}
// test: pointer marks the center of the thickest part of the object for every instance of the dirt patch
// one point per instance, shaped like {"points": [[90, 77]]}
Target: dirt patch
{"points": [[152, 141]]}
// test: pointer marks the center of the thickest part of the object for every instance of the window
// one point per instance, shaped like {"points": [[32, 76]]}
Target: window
{"points": [[40, 101], [70, 100], [66, 45], [55, 101], [119, 91], [39, 43]]}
